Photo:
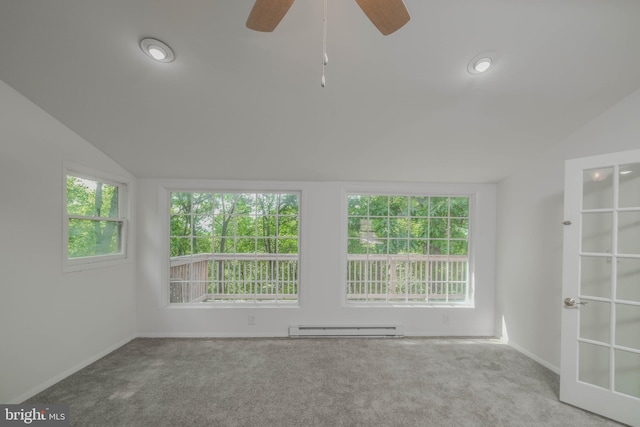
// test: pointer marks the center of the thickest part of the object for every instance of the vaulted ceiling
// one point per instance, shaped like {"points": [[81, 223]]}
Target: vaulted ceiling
{"points": [[239, 104]]}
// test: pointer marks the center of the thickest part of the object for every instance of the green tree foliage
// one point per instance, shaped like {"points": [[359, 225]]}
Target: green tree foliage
{"points": [[93, 225], [391, 224], [233, 223]]}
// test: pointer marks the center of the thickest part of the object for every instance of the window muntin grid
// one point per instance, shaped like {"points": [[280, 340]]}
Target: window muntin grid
{"points": [[408, 249], [234, 247]]}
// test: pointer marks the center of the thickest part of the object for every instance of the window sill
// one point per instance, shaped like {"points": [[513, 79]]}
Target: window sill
{"points": [[358, 305], [228, 305], [82, 264]]}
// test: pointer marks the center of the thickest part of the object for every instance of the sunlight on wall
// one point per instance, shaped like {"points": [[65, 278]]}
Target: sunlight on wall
{"points": [[504, 335]]}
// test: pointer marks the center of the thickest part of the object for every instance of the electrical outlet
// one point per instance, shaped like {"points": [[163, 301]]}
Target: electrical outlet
{"points": [[251, 320], [445, 319]]}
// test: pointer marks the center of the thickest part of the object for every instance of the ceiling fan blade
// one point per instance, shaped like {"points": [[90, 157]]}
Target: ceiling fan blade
{"points": [[267, 14], [387, 15]]}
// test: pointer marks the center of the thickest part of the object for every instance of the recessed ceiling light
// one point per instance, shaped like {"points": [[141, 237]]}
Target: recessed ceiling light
{"points": [[157, 50], [480, 63]]}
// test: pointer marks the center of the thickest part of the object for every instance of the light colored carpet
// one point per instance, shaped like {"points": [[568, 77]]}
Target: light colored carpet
{"points": [[315, 382]]}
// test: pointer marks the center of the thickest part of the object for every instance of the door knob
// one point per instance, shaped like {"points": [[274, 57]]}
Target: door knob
{"points": [[572, 303]]}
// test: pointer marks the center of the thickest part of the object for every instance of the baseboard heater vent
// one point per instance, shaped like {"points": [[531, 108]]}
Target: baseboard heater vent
{"points": [[346, 331]]}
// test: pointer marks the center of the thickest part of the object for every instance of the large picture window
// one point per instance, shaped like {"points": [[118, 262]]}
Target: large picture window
{"points": [[408, 249], [94, 221], [234, 247]]}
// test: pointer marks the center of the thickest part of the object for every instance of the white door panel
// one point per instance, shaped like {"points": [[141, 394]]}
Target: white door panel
{"points": [[600, 363]]}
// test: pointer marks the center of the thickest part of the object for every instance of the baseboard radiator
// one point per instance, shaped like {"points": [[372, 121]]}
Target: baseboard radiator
{"points": [[346, 331]]}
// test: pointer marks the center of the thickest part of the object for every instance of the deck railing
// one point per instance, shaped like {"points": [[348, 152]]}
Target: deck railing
{"points": [[234, 277], [274, 278], [407, 278]]}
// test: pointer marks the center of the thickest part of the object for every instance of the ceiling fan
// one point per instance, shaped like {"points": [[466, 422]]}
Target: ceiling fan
{"points": [[387, 15]]}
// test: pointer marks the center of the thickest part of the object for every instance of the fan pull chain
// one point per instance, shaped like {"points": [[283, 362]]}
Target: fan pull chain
{"points": [[325, 58]]}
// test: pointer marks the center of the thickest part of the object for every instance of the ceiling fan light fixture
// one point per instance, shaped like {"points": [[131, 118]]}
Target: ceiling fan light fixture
{"points": [[157, 50], [480, 64]]}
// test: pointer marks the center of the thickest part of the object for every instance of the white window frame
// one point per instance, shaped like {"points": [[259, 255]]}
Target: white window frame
{"points": [[96, 261], [165, 204], [385, 190]]}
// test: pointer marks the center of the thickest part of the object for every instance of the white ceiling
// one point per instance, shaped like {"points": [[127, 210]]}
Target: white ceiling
{"points": [[238, 104]]}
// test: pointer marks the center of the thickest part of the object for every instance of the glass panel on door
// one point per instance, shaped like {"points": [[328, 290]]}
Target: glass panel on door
{"points": [[627, 319], [629, 187], [595, 276], [597, 188], [597, 232], [627, 373], [595, 321], [629, 232], [593, 367], [628, 279]]}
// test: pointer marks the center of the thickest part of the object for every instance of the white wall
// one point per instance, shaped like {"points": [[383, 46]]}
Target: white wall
{"points": [[529, 244], [50, 323], [322, 269]]}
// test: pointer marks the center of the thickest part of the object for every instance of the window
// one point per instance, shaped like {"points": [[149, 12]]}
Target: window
{"points": [[233, 247], [408, 249], [94, 221]]}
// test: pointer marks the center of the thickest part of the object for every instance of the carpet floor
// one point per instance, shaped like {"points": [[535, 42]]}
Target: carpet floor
{"points": [[315, 382]]}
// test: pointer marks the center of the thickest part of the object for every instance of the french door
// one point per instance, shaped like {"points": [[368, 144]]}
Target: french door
{"points": [[600, 363]]}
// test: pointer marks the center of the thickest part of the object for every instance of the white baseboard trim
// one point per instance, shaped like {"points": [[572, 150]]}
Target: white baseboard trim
{"points": [[59, 377], [211, 335], [286, 335], [438, 335], [534, 357]]}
